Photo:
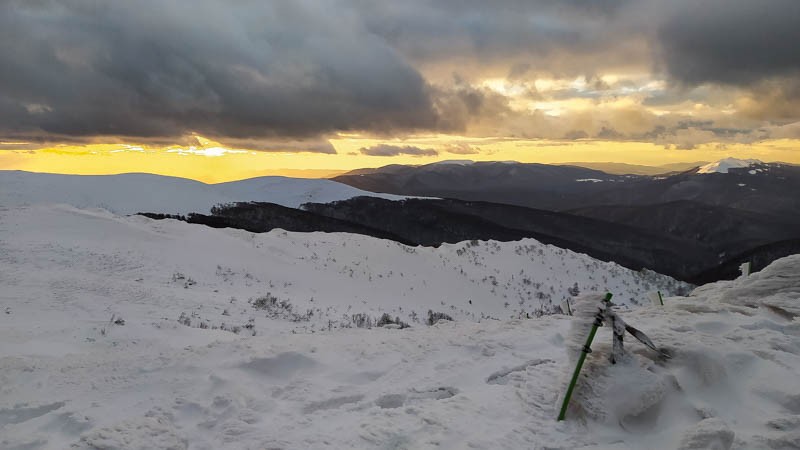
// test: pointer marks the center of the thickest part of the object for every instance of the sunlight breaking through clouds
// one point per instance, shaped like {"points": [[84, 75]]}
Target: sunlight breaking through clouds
{"points": [[294, 78]]}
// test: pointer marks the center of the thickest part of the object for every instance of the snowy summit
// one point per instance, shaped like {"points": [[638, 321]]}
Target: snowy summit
{"points": [[723, 165]]}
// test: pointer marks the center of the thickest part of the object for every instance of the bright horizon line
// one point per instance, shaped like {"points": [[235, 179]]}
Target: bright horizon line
{"points": [[213, 163], [333, 173]]}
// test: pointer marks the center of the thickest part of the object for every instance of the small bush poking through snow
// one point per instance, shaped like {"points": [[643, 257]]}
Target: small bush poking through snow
{"points": [[278, 309], [435, 317], [187, 281], [186, 320], [268, 301], [387, 321], [361, 320], [115, 320]]}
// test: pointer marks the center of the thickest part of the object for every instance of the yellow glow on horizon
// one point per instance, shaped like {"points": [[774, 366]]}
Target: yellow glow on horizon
{"points": [[217, 164]]}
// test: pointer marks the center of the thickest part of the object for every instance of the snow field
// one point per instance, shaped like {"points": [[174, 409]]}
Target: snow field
{"points": [[72, 378], [133, 193]]}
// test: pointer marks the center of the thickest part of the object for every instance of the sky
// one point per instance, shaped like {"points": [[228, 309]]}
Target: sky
{"points": [[218, 90]]}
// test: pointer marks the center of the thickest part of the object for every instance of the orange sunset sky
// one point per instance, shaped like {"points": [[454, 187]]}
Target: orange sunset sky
{"points": [[217, 91]]}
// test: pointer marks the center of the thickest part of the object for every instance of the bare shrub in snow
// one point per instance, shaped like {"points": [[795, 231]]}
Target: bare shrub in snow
{"points": [[278, 309], [386, 319], [361, 320], [435, 317], [115, 320], [265, 302], [185, 320]]}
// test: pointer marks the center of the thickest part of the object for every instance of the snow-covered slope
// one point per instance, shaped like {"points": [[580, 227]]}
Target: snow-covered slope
{"points": [[135, 192], [723, 165], [170, 377]]}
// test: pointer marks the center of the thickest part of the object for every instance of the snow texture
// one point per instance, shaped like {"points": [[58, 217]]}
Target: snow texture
{"points": [[175, 374]]}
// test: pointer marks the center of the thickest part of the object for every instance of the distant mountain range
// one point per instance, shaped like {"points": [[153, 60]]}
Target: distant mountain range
{"points": [[635, 169], [757, 187], [697, 225], [431, 222]]}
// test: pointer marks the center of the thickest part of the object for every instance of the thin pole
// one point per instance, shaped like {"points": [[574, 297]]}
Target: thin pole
{"points": [[587, 348]]}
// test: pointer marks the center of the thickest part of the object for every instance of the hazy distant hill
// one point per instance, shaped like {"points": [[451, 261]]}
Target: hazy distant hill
{"points": [[764, 188], [712, 216], [541, 186], [134, 192], [432, 222], [719, 227], [635, 169], [688, 224]]}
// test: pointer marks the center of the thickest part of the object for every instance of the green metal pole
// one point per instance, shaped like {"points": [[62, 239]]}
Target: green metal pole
{"points": [[660, 299], [584, 351]]}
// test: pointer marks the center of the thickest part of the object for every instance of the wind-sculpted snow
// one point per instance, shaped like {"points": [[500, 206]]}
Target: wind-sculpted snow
{"points": [[733, 369], [128, 333], [775, 286], [138, 192]]}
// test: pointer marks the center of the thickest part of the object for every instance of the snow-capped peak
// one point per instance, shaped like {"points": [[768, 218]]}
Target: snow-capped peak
{"points": [[723, 165]]}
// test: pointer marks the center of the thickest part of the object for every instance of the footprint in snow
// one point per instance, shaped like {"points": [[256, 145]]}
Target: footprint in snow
{"points": [[390, 401], [332, 403], [501, 376], [282, 366], [21, 413]]}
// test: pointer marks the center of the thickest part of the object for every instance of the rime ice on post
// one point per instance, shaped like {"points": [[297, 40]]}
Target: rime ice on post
{"points": [[587, 306], [584, 313], [744, 268], [566, 307], [655, 298], [617, 393]]}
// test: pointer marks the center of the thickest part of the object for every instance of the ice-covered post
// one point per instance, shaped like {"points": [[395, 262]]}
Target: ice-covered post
{"points": [[656, 299], [587, 348], [746, 268], [566, 308]]}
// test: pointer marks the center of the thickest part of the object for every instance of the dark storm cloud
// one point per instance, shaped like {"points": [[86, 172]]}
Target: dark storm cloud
{"points": [[432, 30], [281, 75], [395, 150], [221, 69], [731, 41], [245, 71]]}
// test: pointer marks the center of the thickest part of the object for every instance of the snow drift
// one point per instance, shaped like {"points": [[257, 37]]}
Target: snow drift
{"points": [[730, 382]]}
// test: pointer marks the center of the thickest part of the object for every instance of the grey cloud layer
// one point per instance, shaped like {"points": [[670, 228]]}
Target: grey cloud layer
{"points": [[732, 41], [395, 150], [235, 69], [252, 71]]}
